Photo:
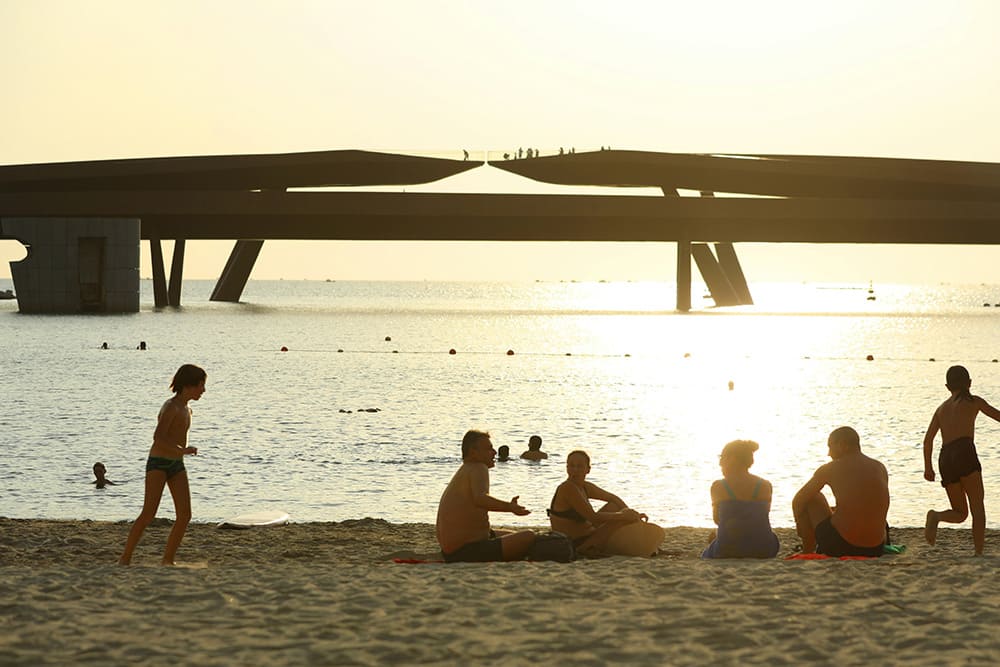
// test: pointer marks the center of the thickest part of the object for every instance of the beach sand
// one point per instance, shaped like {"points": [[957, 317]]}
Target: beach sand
{"points": [[330, 594]]}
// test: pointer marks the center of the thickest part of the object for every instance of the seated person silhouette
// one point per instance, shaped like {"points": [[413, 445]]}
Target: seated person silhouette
{"points": [[741, 503], [614, 530]]}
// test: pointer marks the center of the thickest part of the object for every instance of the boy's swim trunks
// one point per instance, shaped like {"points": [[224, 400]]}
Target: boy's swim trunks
{"points": [[169, 466], [957, 459]]}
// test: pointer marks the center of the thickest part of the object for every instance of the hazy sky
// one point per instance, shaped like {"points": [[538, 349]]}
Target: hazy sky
{"points": [[116, 79]]}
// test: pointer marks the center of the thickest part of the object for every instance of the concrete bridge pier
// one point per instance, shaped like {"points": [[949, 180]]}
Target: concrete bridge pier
{"points": [[237, 270], [730, 265], [164, 295], [176, 274], [724, 277], [684, 275], [75, 265], [159, 279]]}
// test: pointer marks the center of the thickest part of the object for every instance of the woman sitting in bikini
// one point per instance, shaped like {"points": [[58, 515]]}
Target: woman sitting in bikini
{"points": [[741, 503], [613, 530]]}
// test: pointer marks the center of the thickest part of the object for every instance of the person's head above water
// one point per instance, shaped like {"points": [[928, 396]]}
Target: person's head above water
{"points": [[534, 443], [503, 453], [738, 455], [99, 479]]}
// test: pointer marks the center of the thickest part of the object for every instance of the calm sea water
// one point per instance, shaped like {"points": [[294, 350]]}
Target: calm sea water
{"points": [[606, 367]]}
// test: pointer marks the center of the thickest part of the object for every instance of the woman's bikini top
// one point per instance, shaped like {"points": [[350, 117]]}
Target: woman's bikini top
{"points": [[571, 514]]}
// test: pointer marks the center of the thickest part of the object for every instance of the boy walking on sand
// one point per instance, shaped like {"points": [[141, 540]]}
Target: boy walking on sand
{"points": [[958, 463], [165, 465]]}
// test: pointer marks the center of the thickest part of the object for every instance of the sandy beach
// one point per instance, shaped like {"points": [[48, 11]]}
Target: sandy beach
{"points": [[330, 594]]}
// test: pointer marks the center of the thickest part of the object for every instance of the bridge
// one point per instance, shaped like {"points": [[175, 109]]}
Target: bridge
{"points": [[252, 198]]}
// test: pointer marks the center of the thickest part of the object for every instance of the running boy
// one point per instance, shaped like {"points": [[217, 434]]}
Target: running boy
{"points": [[958, 463], [165, 465]]}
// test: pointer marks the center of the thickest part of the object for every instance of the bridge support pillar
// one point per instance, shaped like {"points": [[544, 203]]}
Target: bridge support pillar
{"points": [[683, 275], [237, 270], [715, 278], [163, 294], [159, 276], [730, 265], [176, 274]]}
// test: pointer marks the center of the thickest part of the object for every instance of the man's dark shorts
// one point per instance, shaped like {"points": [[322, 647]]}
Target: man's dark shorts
{"points": [[830, 542], [483, 551], [957, 459]]}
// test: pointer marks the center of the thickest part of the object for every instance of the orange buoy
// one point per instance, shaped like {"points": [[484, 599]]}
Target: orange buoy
{"points": [[284, 349], [452, 351], [510, 353]]}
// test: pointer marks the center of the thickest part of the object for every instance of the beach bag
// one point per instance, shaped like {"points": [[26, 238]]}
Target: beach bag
{"points": [[552, 546]]}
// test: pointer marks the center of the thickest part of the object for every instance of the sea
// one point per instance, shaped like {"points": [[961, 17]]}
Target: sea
{"points": [[335, 400]]}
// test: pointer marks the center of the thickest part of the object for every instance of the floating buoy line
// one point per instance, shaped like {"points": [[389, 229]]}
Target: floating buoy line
{"points": [[681, 356]]}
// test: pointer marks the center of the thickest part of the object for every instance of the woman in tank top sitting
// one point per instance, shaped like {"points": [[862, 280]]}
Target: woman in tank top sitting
{"points": [[741, 503], [615, 529]]}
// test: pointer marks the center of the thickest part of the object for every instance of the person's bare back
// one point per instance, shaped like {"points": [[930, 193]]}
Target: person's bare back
{"points": [[861, 486], [957, 418]]}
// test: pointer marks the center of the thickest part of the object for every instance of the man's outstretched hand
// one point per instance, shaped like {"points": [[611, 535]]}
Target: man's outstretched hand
{"points": [[515, 508]]}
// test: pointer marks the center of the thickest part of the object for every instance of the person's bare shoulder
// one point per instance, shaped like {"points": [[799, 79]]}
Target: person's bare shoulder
{"points": [[828, 469], [173, 407]]}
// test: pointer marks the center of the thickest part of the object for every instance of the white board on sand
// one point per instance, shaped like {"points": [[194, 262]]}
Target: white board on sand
{"points": [[256, 520]]}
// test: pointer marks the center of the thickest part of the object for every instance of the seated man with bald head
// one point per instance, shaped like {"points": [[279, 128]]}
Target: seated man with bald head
{"points": [[463, 523], [857, 527]]}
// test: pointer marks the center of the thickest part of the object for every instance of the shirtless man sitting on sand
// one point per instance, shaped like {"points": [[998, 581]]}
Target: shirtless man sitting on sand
{"points": [[463, 524], [860, 484]]}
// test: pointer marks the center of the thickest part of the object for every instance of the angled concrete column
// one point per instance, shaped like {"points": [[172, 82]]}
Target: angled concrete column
{"points": [[716, 280], [237, 271], [176, 274], [159, 276], [730, 265]]}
